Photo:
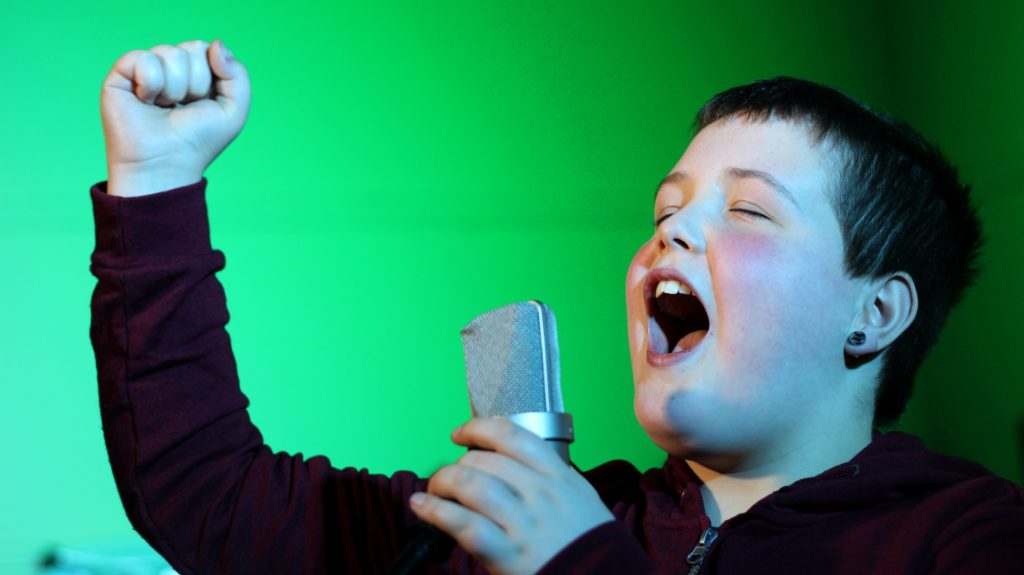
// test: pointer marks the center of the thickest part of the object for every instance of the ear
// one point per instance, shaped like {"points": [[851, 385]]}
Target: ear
{"points": [[890, 306]]}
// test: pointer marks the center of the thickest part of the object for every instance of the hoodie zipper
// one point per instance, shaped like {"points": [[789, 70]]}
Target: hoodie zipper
{"points": [[696, 557]]}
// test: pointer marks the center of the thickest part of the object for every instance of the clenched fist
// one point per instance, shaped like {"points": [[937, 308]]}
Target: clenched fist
{"points": [[168, 112]]}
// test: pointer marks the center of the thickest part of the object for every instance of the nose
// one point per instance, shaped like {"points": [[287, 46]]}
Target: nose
{"points": [[682, 230]]}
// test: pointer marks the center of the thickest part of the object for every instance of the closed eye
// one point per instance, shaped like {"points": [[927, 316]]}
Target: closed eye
{"points": [[664, 217], [751, 213]]}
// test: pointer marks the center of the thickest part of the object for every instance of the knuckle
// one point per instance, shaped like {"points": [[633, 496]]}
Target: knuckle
{"points": [[194, 45], [472, 457], [450, 472], [161, 49], [548, 498], [199, 62], [443, 477], [504, 425], [473, 536], [148, 72], [493, 497], [171, 55], [133, 54], [434, 481], [147, 58], [515, 432], [466, 477]]}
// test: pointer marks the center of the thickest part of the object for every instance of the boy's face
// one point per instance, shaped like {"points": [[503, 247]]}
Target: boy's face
{"points": [[747, 225]]}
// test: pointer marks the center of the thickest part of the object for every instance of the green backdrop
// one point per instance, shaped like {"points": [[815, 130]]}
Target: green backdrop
{"points": [[409, 166]]}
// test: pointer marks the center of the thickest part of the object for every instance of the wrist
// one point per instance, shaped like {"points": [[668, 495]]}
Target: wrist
{"points": [[144, 180]]}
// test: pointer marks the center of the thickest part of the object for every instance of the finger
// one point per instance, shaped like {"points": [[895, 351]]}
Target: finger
{"points": [[230, 79], [176, 71], [199, 76], [147, 75], [122, 73], [478, 491], [501, 435], [517, 477], [473, 532]]}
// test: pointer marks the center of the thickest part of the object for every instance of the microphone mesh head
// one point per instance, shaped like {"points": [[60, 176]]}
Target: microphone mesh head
{"points": [[512, 361]]}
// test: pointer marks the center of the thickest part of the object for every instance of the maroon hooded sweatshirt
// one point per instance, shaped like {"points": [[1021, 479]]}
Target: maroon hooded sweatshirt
{"points": [[200, 485]]}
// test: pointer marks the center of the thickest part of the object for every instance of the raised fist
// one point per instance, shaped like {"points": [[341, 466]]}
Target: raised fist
{"points": [[168, 112]]}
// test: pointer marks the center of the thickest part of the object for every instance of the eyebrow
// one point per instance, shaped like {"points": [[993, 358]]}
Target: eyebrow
{"points": [[673, 178], [678, 178], [766, 178]]}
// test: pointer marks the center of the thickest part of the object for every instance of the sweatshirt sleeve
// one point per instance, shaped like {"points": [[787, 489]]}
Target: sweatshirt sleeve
{"points": [[194, 475]]}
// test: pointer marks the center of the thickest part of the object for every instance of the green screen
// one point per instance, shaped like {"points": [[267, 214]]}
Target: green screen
{"points": [[407, 167]]}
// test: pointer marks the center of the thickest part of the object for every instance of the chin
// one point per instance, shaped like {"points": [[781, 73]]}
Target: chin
{"points": [[656, 421], [685, 425], [668, 440]]}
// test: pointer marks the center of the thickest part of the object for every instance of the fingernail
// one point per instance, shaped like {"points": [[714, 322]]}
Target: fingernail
{"points": [[417, 499], [457, 430], [227, 51]]}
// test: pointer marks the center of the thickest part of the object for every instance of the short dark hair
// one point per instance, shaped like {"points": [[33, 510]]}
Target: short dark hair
{"points": [[899, 202]]}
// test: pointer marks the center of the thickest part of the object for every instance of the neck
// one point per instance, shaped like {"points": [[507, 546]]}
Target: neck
{"points": [[728, 490]]}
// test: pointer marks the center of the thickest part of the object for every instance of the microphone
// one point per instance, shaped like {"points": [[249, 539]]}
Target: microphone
{"points": [[512, 372]]}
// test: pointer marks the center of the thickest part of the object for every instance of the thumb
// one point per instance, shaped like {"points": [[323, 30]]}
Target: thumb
{"points": [[231, 79]]}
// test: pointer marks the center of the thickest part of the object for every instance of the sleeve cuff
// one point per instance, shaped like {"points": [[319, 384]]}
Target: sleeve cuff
{"points": [[608, 548], [169, 224]]}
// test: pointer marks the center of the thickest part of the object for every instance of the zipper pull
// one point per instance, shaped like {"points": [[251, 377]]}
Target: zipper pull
{"points": [[696, 557]]}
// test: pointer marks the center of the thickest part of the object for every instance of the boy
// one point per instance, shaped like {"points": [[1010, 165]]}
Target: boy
{"points": [[805, 255]]}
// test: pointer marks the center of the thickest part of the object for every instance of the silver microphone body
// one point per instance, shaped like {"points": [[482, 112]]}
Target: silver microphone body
{"points": [[512, 371]]}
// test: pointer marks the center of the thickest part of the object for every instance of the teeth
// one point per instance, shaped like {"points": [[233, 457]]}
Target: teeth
{"points": [[671, 287]]}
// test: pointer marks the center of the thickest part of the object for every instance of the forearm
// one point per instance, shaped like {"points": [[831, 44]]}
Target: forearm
{"points": [[164, 363], [194, 475]]}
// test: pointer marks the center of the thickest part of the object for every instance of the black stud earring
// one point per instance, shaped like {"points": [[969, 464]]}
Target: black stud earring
{"points": [[856, 338]]}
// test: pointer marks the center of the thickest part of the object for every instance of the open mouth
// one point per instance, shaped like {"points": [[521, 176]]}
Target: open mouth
{"points": [[677, 319]]}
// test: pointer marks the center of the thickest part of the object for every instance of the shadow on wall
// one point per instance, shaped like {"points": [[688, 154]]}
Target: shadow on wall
{"points": [[127, 559]]}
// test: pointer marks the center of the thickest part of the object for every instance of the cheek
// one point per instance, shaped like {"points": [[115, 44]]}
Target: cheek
{"points": [[640, 265], [776, 301], [635, 305], [750, 276]]}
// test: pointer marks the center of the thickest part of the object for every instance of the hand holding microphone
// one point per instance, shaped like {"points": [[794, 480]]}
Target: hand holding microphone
{"points": [[513, 507], [514, 501]]}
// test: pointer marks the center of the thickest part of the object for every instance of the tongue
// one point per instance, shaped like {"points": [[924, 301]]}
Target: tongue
{"points": [[690, 340]]}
